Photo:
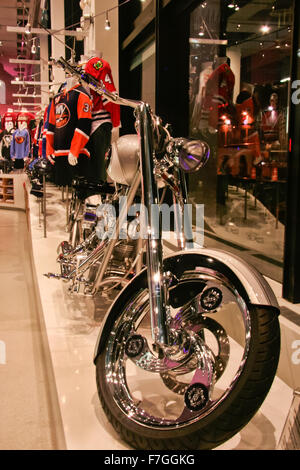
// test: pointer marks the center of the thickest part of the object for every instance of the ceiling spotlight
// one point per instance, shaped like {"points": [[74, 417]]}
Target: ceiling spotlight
{"points": [[201, 31], [231, 5], [107, 23], [265, 28], [236, 7]]}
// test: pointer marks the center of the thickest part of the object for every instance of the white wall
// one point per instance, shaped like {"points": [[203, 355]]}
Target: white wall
{"points": [[234, 53], [58, 47], [102, 40]]}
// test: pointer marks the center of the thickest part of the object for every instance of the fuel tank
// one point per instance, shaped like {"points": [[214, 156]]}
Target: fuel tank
{"points": [[124, 159]]}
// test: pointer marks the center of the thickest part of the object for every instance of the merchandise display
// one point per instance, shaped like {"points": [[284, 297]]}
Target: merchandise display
{"points": [[218, 95], [20, 146], [68, 131], [187, 365], [151, 196], [105, 116]]}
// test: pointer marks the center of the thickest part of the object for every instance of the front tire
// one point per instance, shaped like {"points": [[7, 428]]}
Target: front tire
{"points": [[148, 408]]}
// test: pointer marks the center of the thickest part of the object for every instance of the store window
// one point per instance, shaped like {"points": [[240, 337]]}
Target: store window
{"points": [[240, 54]]}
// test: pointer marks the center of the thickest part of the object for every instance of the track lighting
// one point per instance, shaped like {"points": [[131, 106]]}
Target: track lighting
{"points": [[107, 23]]}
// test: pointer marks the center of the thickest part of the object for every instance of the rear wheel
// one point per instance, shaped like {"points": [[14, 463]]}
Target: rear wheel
{"points": [[209, 382]]}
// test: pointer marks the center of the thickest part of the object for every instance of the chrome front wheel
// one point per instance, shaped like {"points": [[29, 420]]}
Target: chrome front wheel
{"points": [[199, 390]]}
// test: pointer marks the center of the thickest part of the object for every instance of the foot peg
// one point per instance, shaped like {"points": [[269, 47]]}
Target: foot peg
{"points": [[53, 275]]}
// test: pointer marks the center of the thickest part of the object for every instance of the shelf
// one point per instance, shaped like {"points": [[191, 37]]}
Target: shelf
{"points": [[6, 190]]}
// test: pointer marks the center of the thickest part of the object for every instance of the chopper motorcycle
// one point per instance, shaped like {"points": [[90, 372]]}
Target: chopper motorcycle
{"points": [[189, 348]]}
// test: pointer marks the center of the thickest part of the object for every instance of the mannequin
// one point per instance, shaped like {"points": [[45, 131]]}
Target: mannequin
{"points": [[68, 131], [71, 82], [8, 123], [9, 120], [105, 116], [198, 119], [20, 144], [272, 120]]}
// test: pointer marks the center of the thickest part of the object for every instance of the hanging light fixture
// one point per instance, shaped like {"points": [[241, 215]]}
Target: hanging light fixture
{"points": [[28, 27], [265, 28], [33, 47], [201, 31], [107, 23]]}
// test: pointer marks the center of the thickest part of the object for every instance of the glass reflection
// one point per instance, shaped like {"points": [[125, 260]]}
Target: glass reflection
{"points": [[239, 104]]}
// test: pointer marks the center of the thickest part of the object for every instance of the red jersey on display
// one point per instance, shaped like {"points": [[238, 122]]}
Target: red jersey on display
{"points": [[103, 110], [9, 117], [221, 83], [219, 92], [69, 123], [29, 119]]}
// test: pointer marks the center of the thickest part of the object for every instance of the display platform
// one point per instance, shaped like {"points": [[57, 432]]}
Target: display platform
{"points": [[72, 325]]}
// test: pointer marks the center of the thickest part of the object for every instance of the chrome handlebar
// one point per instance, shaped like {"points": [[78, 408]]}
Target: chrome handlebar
{"points": [[93, 84]]}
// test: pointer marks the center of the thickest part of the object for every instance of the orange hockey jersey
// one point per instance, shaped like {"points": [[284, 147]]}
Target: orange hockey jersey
{"points": [[69, 123]]}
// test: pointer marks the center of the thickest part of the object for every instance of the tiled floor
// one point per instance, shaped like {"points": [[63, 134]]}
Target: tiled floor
{"points": [[72, 326], [27, 414]]}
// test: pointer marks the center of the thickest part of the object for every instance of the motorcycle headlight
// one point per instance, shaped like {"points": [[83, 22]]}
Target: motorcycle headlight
{"points": [[189, 155], [193, 155]]}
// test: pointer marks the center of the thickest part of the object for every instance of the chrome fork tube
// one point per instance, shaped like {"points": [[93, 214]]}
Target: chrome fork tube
{"points": [[186, 215], [156, 282]]}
